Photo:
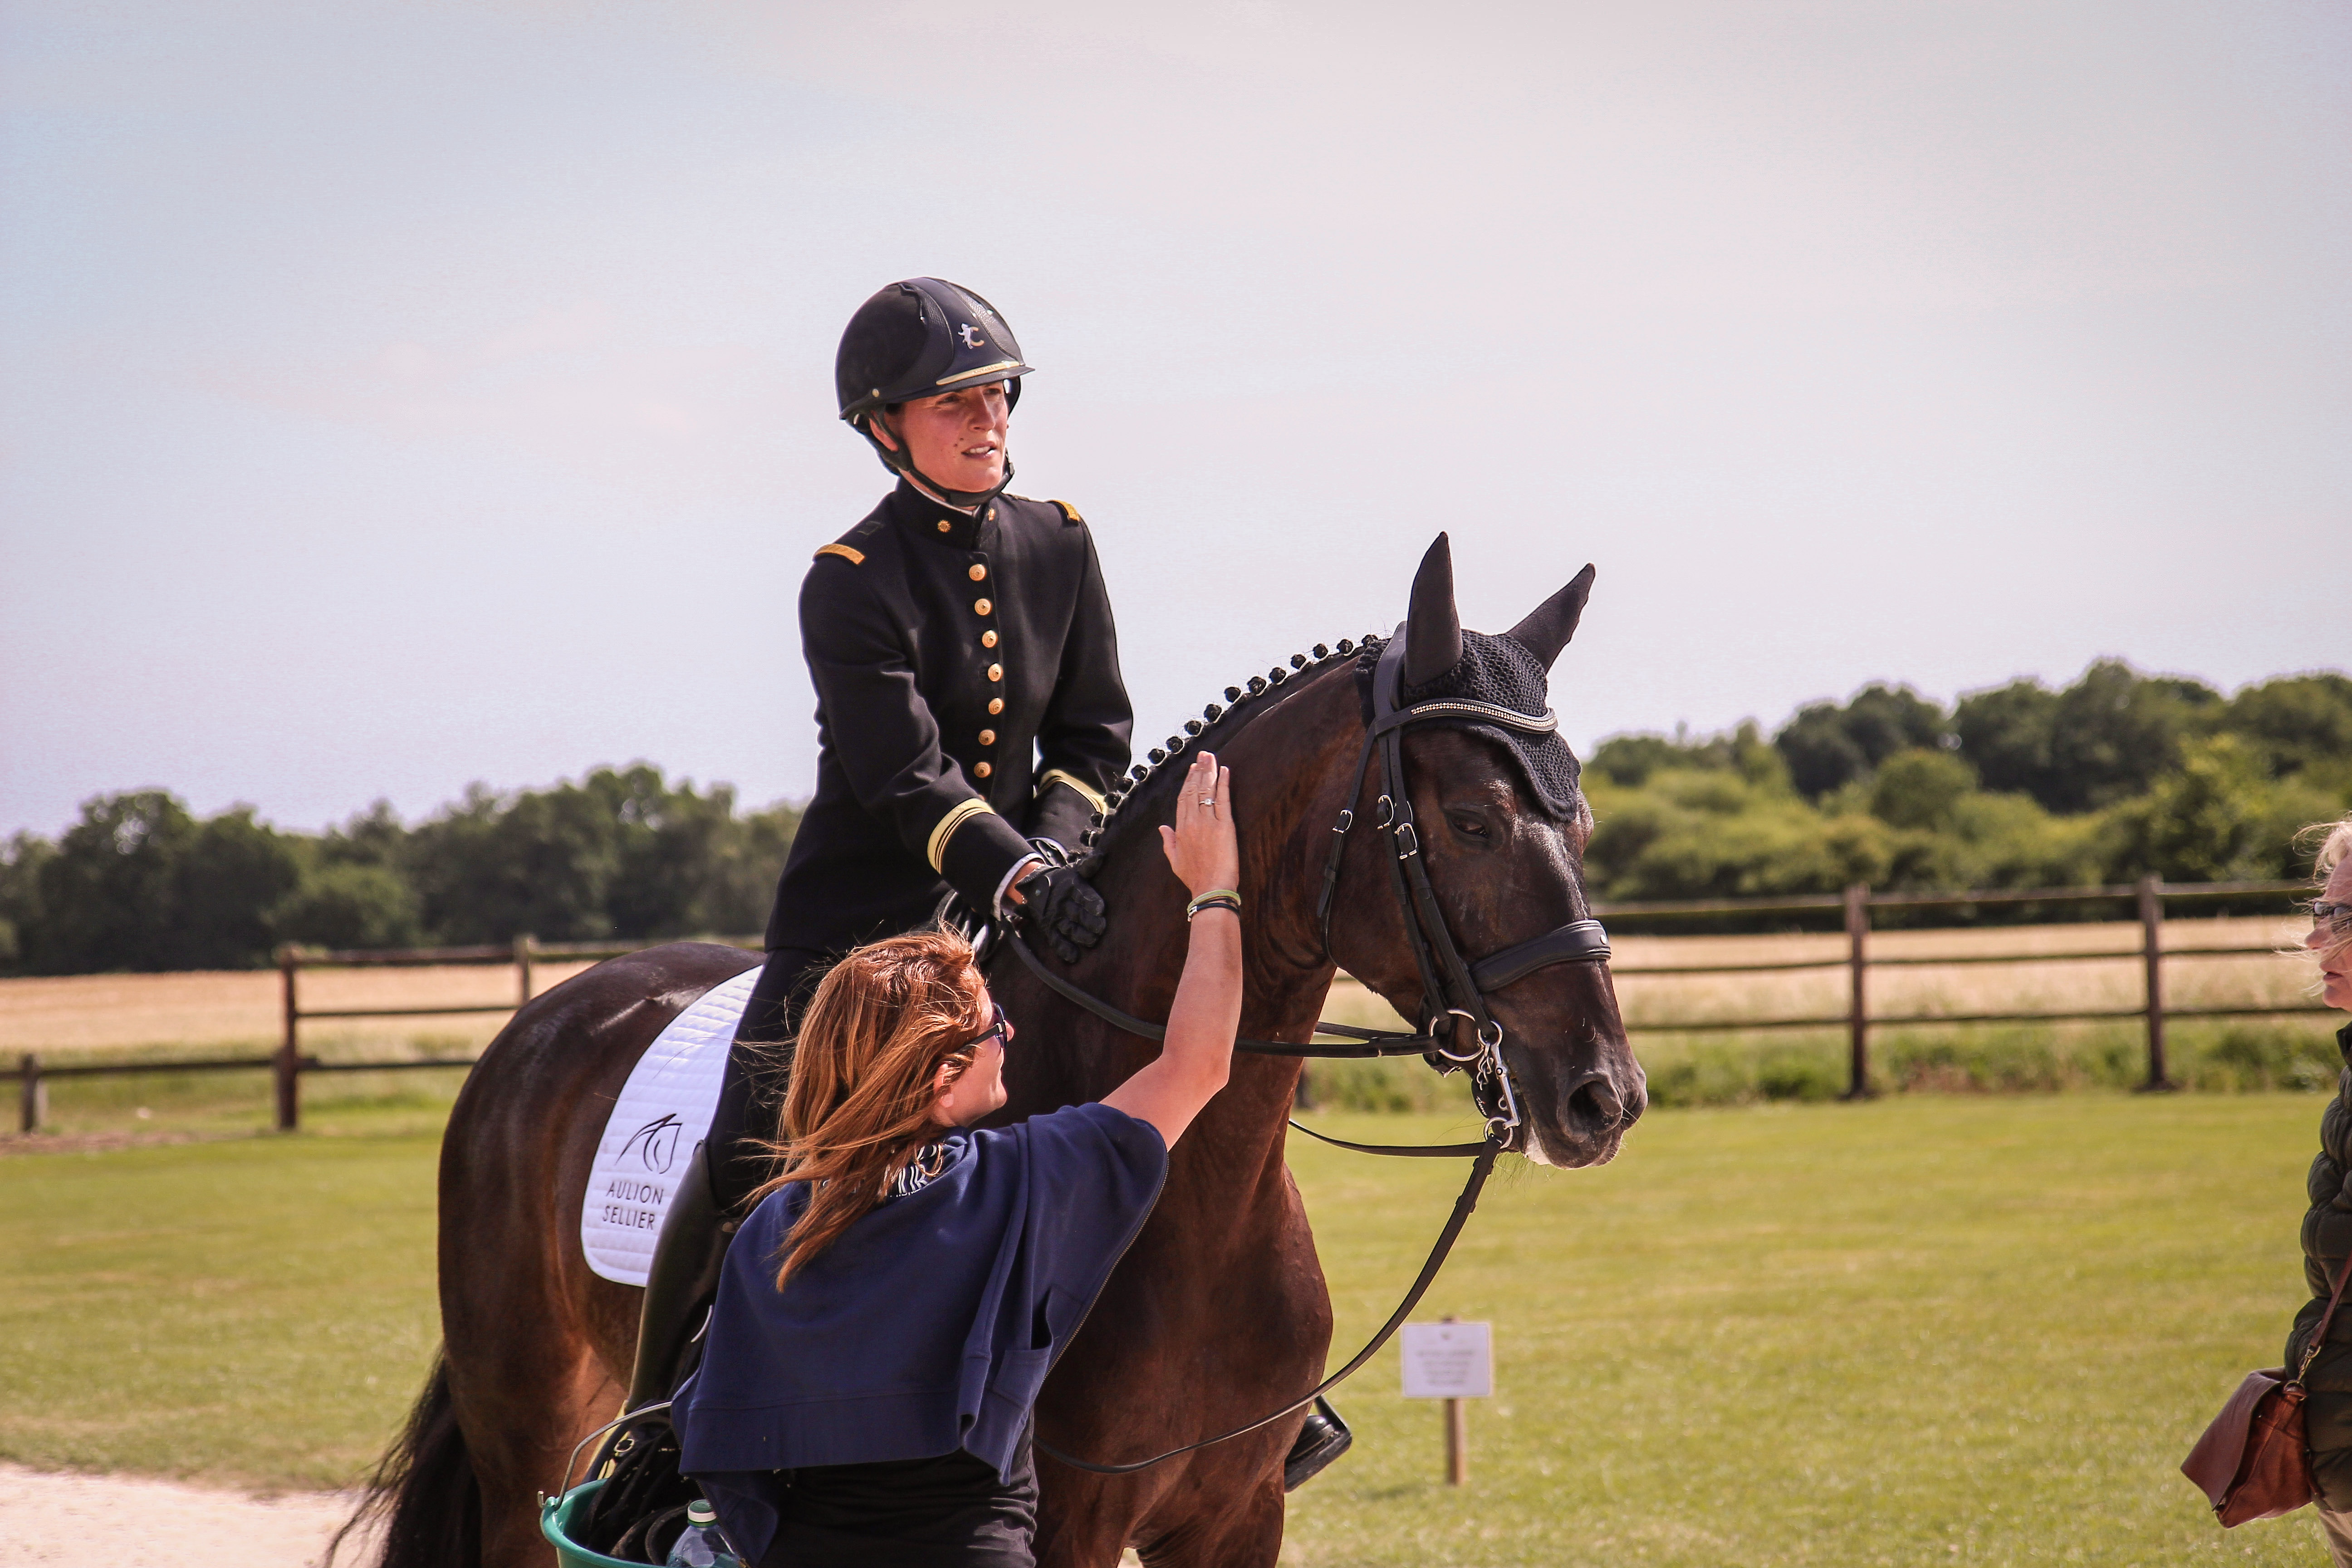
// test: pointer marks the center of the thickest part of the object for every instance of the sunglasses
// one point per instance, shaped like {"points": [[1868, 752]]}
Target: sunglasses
{"points": [[2335, 919], [999, 1030]]}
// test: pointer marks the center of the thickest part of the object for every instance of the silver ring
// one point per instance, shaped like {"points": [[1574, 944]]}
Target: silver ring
{"points": [[1210, 800]]}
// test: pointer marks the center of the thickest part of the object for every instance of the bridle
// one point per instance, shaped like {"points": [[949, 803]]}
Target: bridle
{"points": [[1453, 992]]}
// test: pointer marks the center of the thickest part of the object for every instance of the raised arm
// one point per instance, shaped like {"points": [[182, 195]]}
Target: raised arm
{"points": [[1198, 1054]]}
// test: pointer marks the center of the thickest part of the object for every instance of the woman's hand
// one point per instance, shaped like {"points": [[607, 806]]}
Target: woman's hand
{"points": [[1197, 1056], [1201, 848]]}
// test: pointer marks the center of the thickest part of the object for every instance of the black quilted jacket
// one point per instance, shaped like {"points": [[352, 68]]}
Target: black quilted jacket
{"points": [[2327, 1243]]}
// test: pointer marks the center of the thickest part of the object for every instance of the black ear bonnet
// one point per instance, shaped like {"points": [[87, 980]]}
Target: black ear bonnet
{"points": [[1500, 670]]}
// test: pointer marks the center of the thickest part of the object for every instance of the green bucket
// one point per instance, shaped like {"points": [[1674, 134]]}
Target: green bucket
{"points": [[557, 1516]]}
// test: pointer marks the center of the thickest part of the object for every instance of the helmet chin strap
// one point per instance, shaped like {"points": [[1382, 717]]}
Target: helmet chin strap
{"points": [[901, 460]]}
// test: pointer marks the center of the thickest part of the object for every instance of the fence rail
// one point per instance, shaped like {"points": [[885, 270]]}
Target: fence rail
{"points": [[2148, 898]]}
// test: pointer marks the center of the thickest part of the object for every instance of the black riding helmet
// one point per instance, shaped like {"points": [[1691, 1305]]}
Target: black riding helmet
{"points": [[918, 339]]}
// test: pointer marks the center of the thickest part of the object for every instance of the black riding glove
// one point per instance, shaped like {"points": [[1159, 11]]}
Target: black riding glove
{"points": [[1065, 906]]}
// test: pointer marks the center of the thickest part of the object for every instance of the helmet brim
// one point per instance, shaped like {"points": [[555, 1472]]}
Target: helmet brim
{"points": [[1009, 370]]}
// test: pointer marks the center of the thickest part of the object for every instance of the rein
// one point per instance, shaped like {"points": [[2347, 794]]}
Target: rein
{"points": [[1480, 1170], [1454, 992]]}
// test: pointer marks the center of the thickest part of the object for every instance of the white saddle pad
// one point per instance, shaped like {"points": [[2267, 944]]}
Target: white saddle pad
{"points": [[664, 1112]]}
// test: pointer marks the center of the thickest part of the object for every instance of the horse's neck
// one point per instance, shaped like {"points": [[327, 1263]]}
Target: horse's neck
{"points": [[1285, 764]]}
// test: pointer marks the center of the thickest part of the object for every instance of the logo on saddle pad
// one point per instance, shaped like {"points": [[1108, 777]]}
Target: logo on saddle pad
{"points": [[654, 1145]]}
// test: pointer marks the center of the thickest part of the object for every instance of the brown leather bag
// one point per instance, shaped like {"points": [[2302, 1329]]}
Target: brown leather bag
{"points": [[2253, 1462]]}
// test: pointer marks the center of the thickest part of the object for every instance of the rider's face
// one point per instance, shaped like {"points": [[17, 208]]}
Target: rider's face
{"points": [[957, 439]]}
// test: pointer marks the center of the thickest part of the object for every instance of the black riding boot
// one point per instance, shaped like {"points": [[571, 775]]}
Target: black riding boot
{"points": [[1322, 1439], [680, 1284], [714, 1192]]}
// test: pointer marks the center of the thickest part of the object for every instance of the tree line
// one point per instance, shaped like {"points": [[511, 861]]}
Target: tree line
{"points": [[2103, 781], [2022, 785], [140, 883]]}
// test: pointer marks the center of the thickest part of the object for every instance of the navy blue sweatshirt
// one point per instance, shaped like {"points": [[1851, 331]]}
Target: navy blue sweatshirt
{"points": [[928, 1326]]}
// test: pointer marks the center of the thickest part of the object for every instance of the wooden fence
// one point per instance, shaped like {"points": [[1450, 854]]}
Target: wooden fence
{"points": [[289, 1062], [2148, 898]]}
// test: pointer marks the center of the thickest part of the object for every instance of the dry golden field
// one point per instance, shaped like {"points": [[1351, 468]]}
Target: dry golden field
{"points": [[162, 1017], [84, 1016], [1656, 1002], [2258, 979], [81, 1018]]}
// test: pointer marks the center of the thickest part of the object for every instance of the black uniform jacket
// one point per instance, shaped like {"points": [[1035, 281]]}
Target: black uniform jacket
{"points": [[968, 699]]}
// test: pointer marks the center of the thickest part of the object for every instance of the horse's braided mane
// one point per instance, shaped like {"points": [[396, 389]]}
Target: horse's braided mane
{"points": [[1242, 704]]}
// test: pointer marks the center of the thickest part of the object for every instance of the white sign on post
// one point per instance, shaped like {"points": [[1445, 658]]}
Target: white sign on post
{"points": [[1448, 1361]]}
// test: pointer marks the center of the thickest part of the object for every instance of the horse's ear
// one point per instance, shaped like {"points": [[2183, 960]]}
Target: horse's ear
{"points": [[1432, 627], [1547, 631]]}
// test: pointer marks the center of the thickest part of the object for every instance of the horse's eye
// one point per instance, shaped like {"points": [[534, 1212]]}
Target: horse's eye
{"points": [[1470, 825]]}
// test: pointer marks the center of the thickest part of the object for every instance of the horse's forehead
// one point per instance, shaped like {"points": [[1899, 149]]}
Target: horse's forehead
{"points": [[1464, 757]]}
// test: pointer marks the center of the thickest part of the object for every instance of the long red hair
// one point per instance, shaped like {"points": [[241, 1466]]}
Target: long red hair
{"points": [[865, 1078]]}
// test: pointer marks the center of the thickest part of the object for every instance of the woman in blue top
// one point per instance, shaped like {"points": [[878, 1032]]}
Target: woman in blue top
{"points": [[890, 1308]]}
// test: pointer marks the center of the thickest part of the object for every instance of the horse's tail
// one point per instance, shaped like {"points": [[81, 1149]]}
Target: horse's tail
{"points": [[424, 1501]]}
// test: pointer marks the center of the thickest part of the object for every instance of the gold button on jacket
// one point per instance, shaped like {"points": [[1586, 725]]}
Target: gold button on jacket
{"points": [[944, 747]]}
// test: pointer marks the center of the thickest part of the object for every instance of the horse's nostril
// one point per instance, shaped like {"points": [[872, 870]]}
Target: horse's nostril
{"points": [[1593, 1106]]}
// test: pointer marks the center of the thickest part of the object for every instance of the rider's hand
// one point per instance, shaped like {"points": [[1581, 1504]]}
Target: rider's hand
{"points": [[1200, 846], [1063, 905]]}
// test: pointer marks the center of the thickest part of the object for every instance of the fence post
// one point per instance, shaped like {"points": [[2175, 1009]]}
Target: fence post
{"points": [[2151, 926], [36, 1093], [522, 945], [1857, 932], [289, 1063]]}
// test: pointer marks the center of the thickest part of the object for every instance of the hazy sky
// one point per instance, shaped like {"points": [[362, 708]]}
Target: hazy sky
{"points": [[396, 395]]}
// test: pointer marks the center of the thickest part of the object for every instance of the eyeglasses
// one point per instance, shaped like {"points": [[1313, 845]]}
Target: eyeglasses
{"points": [[999, 1030], [2335, 919]]}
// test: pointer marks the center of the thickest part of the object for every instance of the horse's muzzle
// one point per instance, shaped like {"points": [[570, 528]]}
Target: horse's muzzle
{"points": [[1585, 1119]]}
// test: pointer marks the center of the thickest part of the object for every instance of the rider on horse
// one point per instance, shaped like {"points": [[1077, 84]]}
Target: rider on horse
{"points": [[970, 717], [970, 710]]}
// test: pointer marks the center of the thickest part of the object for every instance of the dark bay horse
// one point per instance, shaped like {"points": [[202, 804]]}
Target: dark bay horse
{"points": [[1219, 1312]]}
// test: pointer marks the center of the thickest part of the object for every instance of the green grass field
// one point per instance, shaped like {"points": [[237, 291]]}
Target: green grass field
{"points": [[1929, 1329]]}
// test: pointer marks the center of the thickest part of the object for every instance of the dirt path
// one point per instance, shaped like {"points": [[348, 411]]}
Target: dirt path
{"points": [[47, 1518], [51, 1519]]}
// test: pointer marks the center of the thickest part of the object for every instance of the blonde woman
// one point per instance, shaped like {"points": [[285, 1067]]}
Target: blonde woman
{"points": [[2327, 1227], [890, 1308]]}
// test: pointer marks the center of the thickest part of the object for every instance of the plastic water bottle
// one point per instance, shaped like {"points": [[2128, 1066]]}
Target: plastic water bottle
{"points": [[699, 1544]]}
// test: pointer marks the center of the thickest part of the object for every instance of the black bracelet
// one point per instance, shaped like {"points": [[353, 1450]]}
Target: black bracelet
{"points": [[1214, 902]]}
